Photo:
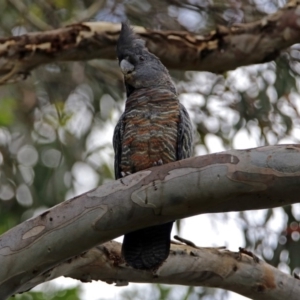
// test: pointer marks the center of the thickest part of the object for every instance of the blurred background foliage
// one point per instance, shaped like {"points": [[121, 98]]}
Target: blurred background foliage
{"points": [[56, 127]]}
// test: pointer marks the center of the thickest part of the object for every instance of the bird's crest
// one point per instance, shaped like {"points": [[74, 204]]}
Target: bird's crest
{"points": [[140, 67], [128, 41]]}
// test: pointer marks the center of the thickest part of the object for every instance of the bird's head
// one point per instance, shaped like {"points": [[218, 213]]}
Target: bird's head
{"points": [[141, 68]]}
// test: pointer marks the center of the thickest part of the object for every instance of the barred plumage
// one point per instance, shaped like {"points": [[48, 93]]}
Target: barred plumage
{"points": [[154, 129]]}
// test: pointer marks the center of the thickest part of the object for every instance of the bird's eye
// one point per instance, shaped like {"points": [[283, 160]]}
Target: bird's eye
{"points": [[141, 58]]}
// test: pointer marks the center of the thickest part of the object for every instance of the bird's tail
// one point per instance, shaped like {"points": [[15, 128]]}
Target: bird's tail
{"points": [[147, 248]]}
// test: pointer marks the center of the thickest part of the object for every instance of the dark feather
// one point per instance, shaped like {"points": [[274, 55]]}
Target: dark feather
{"points": [[185, 135], [148, 247], [117, 144], [154, 129], [128, 42]]}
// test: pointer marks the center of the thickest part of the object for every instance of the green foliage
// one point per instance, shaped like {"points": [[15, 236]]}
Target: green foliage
{"points": [[7, 115]]}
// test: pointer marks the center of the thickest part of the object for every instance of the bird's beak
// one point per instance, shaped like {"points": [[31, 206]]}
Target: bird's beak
{"points": [[126, 66]]}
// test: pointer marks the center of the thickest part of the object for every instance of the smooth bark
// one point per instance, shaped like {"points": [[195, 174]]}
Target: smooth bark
{"points": [[185, 265], [234, 180]]}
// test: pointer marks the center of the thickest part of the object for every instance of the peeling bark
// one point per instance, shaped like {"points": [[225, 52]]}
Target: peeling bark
{"points": [[234, 180], [221, 50], [185, 265]]}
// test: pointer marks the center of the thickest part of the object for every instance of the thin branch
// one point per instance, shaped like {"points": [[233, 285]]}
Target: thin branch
{"points": [[228, 181], [186, 265], [221, 50]]}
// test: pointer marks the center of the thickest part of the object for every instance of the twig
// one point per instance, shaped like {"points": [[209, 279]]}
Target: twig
{"points": [[187, 242]]}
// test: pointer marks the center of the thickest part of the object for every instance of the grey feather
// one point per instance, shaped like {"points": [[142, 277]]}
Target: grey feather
{"points": [[154, 129]]}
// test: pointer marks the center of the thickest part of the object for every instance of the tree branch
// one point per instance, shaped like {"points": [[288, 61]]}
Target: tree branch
{"points": [[185, 265], [221, 50], [228, 181]]}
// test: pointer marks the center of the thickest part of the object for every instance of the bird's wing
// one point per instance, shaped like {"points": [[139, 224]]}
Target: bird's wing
{"points": [[117, 144], [185, 135]]}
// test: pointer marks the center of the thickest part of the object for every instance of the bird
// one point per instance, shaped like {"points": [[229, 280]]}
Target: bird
{"points": [[154, 129]]}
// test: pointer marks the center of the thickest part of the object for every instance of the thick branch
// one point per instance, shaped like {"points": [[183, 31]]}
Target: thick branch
{"points": [[221, 50], [185, 265], [228, 181]]}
